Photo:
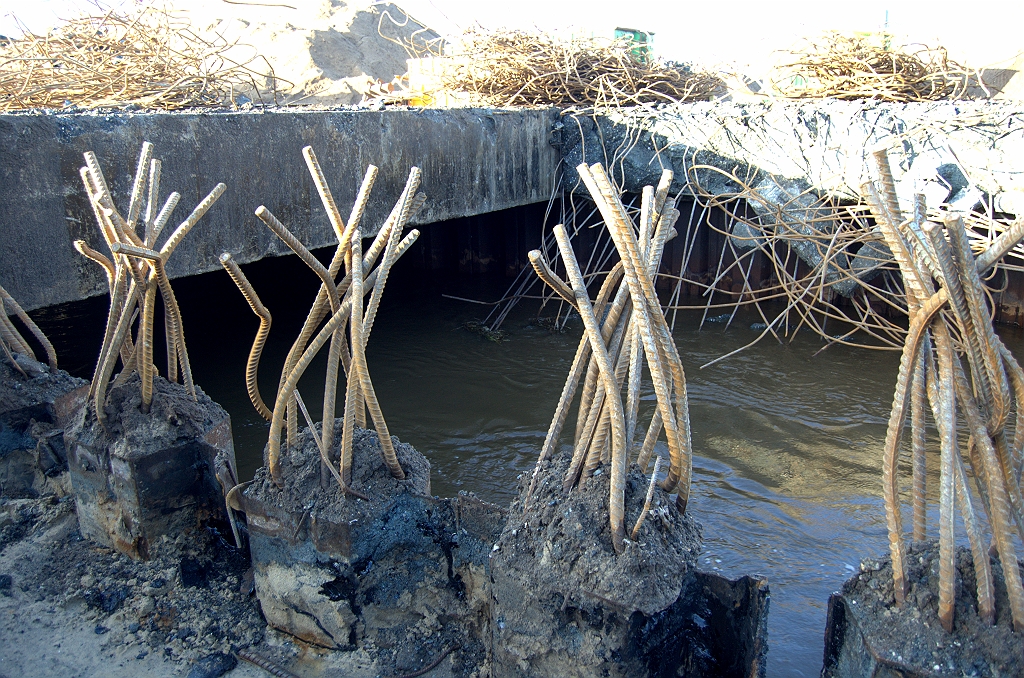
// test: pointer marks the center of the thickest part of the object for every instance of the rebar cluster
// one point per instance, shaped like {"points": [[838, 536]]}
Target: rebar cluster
{"points": [[857, 67], [949, 321], [11, 340], [624, 327], [520, 68], [135, 272], [150, 58], [341, 303]]}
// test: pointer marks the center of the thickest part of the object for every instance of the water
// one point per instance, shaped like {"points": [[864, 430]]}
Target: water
{"points": [[786, 478]]}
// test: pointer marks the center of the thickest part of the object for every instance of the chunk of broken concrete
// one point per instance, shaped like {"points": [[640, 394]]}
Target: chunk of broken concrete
{"points": [[564, 604], [148, 475], [344, 573], [33, 406], [867, 634]]}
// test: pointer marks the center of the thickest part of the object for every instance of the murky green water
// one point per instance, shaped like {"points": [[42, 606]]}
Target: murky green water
{"points": [[786, 479]]}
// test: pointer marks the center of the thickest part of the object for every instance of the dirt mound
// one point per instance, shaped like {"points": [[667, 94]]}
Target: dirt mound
{"points": [[174, 417], [326, 52], [910, 638], [303, 486]]}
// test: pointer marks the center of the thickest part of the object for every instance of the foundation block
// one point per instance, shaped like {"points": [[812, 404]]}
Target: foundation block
{"points": [[868, 634], [399, 574], [147, 475], [564, 604]]}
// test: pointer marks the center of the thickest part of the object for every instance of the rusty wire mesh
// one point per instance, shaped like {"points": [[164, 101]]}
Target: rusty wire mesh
{"points": [[519, 68], [151, 59]]}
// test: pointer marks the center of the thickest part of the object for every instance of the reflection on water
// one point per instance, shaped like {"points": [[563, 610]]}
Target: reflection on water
{"points": [[786, 480]]}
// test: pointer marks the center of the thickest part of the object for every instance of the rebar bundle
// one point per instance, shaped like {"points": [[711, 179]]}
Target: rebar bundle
{"points": [[518, 68], [136, 271], [151, 59], [856, 67], [340, 303], [12, 343], [624, 327], [948, 322]]}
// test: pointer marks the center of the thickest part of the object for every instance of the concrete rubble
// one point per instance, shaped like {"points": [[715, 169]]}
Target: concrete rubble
{"points": [[34, 408]]}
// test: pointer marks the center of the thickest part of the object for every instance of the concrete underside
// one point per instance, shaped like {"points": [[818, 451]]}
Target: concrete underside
{"points": [[474, 161]]}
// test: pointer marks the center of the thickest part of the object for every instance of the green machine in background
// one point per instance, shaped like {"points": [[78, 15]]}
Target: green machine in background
{"points": [[641, 42]]}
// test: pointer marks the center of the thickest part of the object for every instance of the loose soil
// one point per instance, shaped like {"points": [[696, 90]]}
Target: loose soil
{"points": [[71, 608], [174, 417]]}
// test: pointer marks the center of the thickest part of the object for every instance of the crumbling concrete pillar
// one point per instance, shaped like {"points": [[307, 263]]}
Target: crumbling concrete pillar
{"points": [[867, 634], [146, 475], [400, 572], [34, 404], [564, 604]]}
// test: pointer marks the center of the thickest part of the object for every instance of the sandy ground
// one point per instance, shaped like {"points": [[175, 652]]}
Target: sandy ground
{"points": [[325, 52]]}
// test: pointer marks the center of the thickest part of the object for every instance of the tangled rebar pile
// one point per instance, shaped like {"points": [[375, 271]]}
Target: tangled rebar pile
{"points": [[151, 59], [949, 319], [518, 68], [340, 302], [135, 272], [857, 67], [12, 343], [624, 327]]}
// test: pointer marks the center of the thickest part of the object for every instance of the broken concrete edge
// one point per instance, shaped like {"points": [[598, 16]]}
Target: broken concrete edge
{"points": [[128, 495], [937, 148], [473, 161], [33, 414]]}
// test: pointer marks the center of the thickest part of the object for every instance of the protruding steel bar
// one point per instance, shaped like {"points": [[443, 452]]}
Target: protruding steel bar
{"points": [[144, 347], [945, 421], [616, 508], [201, 209], [1000, 512], [252, 365], [139, 185], [979, 550], [647, 500], [99, 258], [918, 440], [51, 355]]}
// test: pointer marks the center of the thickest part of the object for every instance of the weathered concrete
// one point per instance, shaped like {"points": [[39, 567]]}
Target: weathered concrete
{"points": [[943, 149], [33, 409], [142, 476], [474, 161]]}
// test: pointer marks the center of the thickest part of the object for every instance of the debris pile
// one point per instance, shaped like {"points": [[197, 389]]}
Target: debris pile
{"points": [[859, 67], [518, 68], [151, 59]]}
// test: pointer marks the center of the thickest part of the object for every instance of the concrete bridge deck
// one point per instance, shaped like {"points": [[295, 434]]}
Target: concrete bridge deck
{"points": [[474, 161]]}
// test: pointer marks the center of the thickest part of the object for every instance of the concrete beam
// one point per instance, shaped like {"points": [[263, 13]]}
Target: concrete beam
{"points": [[474, 161]]}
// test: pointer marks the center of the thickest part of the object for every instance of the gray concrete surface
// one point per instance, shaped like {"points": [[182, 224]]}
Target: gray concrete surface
{"points": [[474, 161], [953, 151]]}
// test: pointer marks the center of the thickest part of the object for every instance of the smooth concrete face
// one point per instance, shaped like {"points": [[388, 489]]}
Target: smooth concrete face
{"points": [[474, 161]]}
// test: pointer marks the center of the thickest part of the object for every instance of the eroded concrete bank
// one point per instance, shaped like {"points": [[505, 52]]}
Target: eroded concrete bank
{"points": [[474, 161]]}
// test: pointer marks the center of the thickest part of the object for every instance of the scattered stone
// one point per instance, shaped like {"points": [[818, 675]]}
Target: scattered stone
{"points": [[213, 666]]}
